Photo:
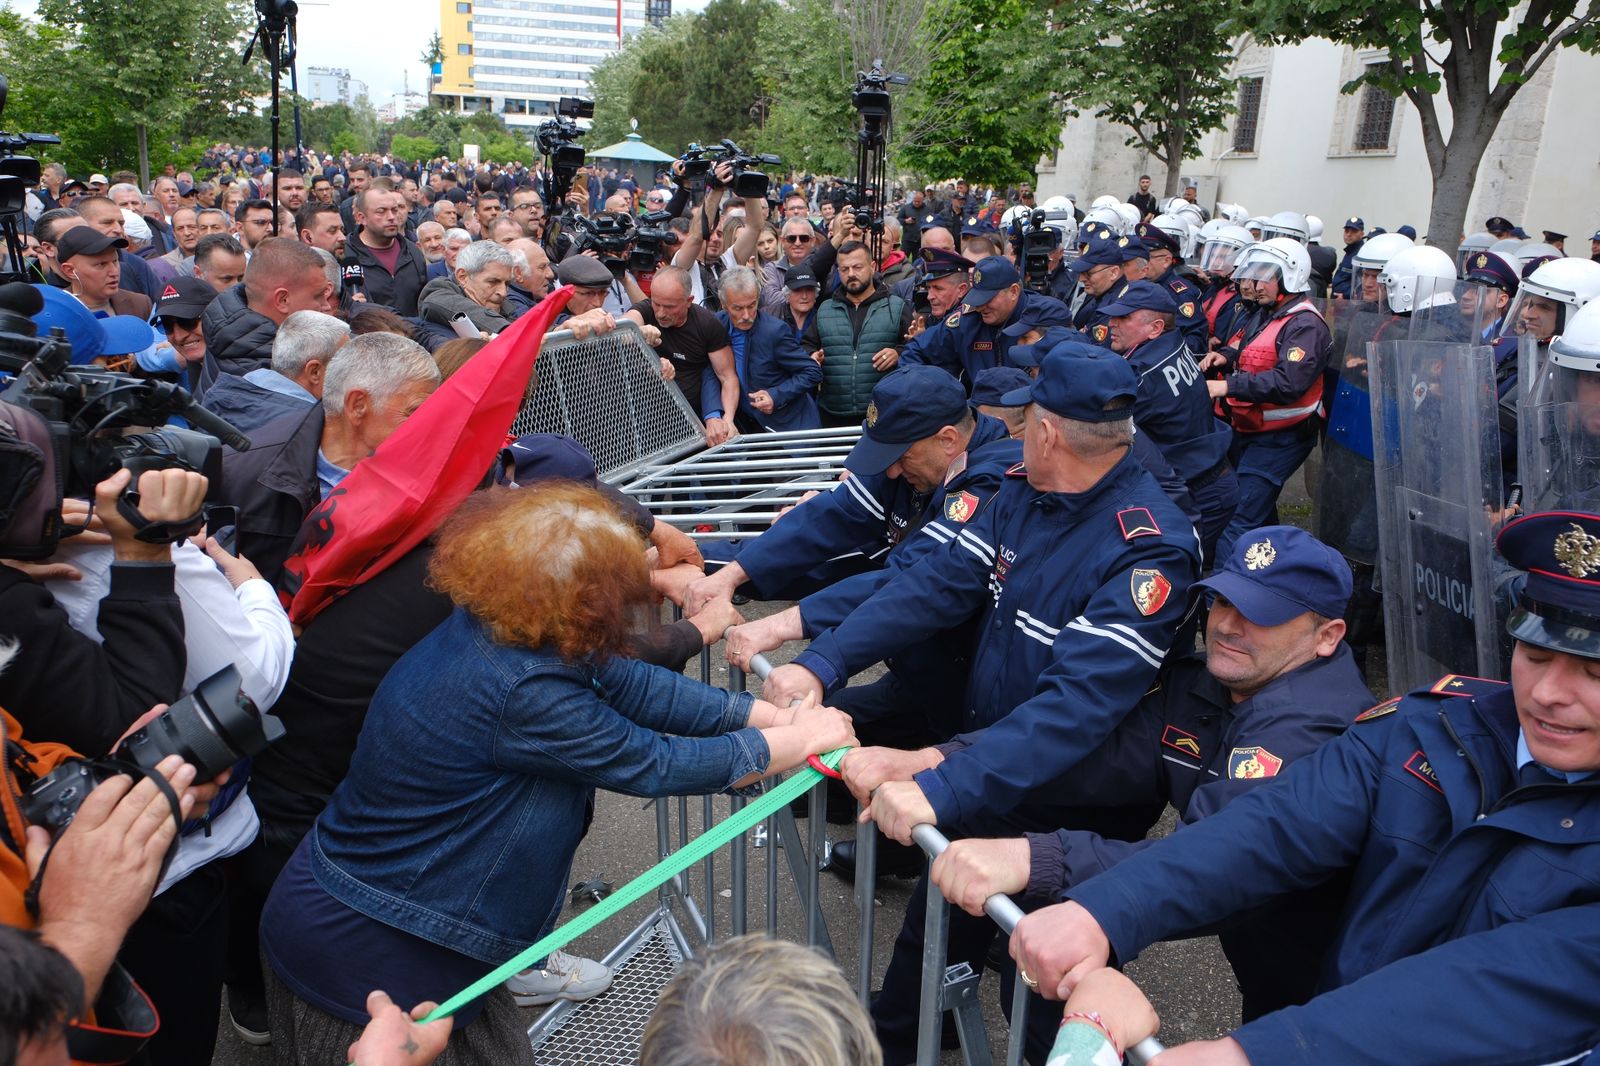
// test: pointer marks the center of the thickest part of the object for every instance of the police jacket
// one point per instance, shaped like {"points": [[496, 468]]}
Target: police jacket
{"points": [[1341, 276], [849, 336], [1174, 409], [1078, 596], [399, 290], [965, 345], [1473, 900], [774, 361], [1191, 319], [1277, 381]]}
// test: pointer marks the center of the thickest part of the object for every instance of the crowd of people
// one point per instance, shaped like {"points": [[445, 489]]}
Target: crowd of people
{"points": [[1059, 532]]}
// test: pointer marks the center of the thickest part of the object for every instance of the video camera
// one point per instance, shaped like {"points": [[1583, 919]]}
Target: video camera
{"points": [[18, 174], [558, 141], [64, 429], [1033, 242], [610, 235], [872, 101], [749, 181], [650, 235]]}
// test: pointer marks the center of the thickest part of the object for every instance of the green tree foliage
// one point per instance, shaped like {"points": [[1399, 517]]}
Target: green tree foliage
{"points": [[1167, 81], [323, 124], [1479, 53], [810, 122]]}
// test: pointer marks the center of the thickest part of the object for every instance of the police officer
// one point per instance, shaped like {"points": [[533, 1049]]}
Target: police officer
{"points": [[1500, 277], [1355, 235], [1077, 573], [1273, 391], [946, 276], [988, 395], [1466, 816], [981, 238], [851, 528], [1099, 272], [1276, 682], [1173, 407], [1164, 254], [975, 338]]}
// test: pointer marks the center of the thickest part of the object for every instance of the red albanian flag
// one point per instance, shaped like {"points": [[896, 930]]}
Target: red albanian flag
{"points": [[394, 499]]}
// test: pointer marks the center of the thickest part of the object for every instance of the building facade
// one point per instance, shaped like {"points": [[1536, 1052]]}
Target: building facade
{"points": [[332, 85], [1298, 143], [519, 57]]}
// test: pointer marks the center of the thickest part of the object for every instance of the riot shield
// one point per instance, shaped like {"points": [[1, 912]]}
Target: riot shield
{"points": [[1345, 512], [1558, 434], [1436, 465]]}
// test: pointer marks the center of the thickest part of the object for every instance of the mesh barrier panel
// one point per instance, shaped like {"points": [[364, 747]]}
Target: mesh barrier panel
{"points": [[606, 1030], [607, 393]]}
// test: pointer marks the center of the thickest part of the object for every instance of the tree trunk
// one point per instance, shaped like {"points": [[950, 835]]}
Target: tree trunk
{"points": [[144, 156], [1455, 175], [1173, 136]]}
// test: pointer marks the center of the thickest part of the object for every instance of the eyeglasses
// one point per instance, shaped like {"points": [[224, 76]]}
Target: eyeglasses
{"points": [[797, 238]]}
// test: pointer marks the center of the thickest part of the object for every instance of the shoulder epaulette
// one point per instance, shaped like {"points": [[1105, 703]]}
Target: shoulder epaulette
{"points": [[1017, 471], [1382, 710], [1465, 685], [1137, 522]]}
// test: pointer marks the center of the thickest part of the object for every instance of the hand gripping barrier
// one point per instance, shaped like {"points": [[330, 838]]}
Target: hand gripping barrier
{"points": [[1005, 913]]}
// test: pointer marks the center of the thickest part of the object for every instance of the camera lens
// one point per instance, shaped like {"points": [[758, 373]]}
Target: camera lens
{"points": [[213, 727]]}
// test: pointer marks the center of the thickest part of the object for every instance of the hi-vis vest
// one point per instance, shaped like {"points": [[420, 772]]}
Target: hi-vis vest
{"points": [[1261, 355]]}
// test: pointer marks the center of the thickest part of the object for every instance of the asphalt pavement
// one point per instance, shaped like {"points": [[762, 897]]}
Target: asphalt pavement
{"points": [[1189, 982]]}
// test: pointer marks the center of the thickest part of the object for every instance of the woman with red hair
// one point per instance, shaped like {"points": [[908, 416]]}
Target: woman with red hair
{"points": [[448, 847]]}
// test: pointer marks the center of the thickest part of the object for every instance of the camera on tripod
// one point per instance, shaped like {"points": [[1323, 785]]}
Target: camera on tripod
{"points": [[749, 181], [558, 138], [18, 174]]}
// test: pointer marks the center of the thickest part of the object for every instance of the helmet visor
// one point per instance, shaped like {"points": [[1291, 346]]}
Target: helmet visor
{"points": [[1217, 257]]}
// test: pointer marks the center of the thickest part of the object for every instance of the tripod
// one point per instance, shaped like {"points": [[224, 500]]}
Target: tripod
{"points": [[871, 99], [275, 31]]}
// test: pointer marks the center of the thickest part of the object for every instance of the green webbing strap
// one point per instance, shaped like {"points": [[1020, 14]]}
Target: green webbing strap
{"points": [[697, 849]]}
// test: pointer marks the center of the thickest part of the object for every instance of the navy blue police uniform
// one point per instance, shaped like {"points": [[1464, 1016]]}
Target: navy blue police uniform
{"points": [[1077, 598], [965, 344], [1492, 270], [1473, 898], [1101, 249], [1187, 304]]}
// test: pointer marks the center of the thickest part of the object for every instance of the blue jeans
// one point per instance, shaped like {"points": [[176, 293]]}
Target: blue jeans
{"points": [[1264, 461]]}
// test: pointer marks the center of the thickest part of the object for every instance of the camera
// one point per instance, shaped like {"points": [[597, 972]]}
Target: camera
{"points": [[650, 236], [920, 303], [609, 235], [558, 141], [18, 174], [749, 182], [64, 429], [1034, 242], [212, 728]]}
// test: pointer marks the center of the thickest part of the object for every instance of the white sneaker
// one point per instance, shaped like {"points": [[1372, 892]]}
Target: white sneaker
{"points": [[563, 976]]}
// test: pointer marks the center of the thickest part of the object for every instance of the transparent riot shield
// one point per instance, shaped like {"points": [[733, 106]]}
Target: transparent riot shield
{"points": [[1345, 503], [1436, 466], [1558, 434]]}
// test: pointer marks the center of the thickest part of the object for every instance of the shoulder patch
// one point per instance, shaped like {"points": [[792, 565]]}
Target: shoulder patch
{"points": [[1420, 768], [1138, 522], [961, 506], [1382, 710], [1150, 590], [1250, 764], [1100, 334], [1017, 471], [1180, 740], [1296, 353], [1464, 685], [1186, 309], [954, 320]]}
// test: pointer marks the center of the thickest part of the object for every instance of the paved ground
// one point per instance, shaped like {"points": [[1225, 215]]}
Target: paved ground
{"points": [[1189, 982]]}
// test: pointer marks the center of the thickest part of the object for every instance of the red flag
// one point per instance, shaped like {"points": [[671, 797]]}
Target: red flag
{"points": [[394, 499]]}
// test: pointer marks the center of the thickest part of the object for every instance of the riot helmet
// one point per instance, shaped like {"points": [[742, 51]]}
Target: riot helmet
{"points": [[1368, 262], [1533, 251], [1179, 230], [1280, 259], [1058, 203], [1130, 216], [1418, 278], [1109, 217], [1255, 224], [1222, 248], [1105, 201], [1235, 213], [1549, 295], [1290, 224], [1559, 437], [1313, 228]]}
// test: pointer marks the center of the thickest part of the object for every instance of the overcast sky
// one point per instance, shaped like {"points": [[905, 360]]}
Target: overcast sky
{"points": [[378, 41]]}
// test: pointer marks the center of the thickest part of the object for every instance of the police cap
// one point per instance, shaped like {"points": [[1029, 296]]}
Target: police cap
{"points": [[1037, 314], [1278, 573], [1083, 382], [1559, 606], [1552, 237], [1155, 237], [544, 457], [929, 222], [940, 263], [974, 226], [1492, 268], [1499, 225], [907, 405], [991, 384], [1026, 355], [992, 275], [1355, 222], [1140, 296], [1100, 251], [1131, 248]]}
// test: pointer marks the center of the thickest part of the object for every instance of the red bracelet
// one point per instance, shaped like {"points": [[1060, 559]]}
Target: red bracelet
{"points": [[816, 763], [1094, 1019]]}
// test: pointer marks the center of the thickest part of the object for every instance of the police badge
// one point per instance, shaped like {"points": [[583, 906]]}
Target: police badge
{"points": [[1150, 590]]}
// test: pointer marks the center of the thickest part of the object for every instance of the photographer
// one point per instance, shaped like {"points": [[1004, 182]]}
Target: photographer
{"points": [[701, 252]]}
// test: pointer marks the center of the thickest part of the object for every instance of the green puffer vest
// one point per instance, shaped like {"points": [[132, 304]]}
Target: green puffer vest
{"points": [[847, 373]]}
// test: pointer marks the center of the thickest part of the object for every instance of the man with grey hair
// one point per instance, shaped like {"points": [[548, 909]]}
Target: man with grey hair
{"points": [[455, 239], [430, 238], [446, 214], [375, 384], [301, 350], [530, 280], [483, 270], [777, 378]]}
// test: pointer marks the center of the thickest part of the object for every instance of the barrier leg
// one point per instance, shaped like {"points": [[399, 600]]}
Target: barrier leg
{"points": [[866, 876], [935, 938], [773, 844], [1018, 1041], [740, 859], [817, 831], [708, 818]]}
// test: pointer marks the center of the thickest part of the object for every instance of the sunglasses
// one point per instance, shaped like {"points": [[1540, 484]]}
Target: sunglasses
{"points": [[168, 321], [797, 238]]}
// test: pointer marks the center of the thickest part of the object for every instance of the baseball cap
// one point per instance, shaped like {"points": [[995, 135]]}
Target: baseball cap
{"points": [[992, 274], [1559, 606], [184, 298], [1132, 248], [1077, 380], [99, 179], [1355, 222], [1277, 573], [907, 405], [125, 334], [90, 337], [1100, 251], [1139, 296], [85, 240], [546, 456], [800, 276], [72, 183], [1026, 355], [991, 384], [1037, 314]]}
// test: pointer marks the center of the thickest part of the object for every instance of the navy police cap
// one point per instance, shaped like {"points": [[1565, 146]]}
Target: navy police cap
{"points": [[1559, 606], [1083, 382], [1277, 573], [1355, 222], [941, 263], [907, 405], [1140, 296], [1101, 250], [978, 227], [1132, 248], [1026, 355], [1037, 314], [993, 275], [990, 386]]}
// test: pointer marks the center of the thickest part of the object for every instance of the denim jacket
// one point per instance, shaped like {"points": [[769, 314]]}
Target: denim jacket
{"points": [[474, 778]]}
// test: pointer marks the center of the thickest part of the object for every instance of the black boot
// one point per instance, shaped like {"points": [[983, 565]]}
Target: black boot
{"points": [[894, 860]]}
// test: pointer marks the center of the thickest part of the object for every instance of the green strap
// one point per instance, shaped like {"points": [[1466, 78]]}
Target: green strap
{"points": [[697, 849]]}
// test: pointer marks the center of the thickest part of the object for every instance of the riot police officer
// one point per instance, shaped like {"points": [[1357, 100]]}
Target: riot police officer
{"points": [[1466, 816], [975, 338]]}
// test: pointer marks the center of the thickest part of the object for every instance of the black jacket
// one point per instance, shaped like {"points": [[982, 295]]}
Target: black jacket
{"points": [[238, 340], [274, 485], [67, 687], [247, 406], [398, 290]]}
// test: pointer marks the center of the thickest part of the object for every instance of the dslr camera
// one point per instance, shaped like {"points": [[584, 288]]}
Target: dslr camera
{"points": [[749, 181]]}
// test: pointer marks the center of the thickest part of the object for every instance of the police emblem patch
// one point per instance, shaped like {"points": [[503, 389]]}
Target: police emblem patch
{"points": [[977, 278], [1137, 522], [1482, 261], [1100, 334], [1188, 743], [1122, 242], [1296, 354], [1382, 710], [872, 414], [927, 218], [1250, 764], [1150, 590], [1420, 768], [1186, 309], [1578, 552], [955, 319], [960, 507], [973, 221], [1260, 555]]}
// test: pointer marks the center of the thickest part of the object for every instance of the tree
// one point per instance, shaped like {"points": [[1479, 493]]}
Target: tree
{"points": [[1167, 81], [432, 56], [1481, 53]]}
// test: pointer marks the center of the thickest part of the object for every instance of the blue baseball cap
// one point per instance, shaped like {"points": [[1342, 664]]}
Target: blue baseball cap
{"points": [[990, 386], [1101, 250], [544, 457], [1139, 296], [1039, 314], [1411, 231], [1078, 380], [1559, 606], [1355, 222], [1026, 355], [907, 405], [929, 222], [90, 337], [978, 227], [125, 334], [1277, 573], [1132, 248], [992, 274]]}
